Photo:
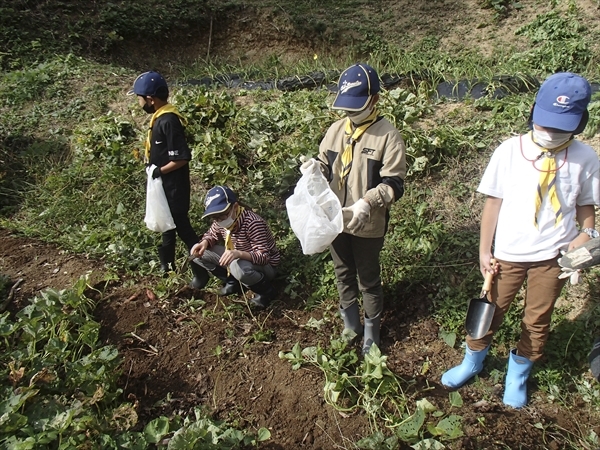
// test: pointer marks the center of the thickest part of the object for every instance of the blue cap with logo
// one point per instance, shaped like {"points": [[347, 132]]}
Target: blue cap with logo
{"points": [[562, 101], [148, 83], [218, 200], [356, 87]]}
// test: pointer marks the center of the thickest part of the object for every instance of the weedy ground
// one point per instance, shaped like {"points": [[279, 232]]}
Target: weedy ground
{"points": [[125, 358]]}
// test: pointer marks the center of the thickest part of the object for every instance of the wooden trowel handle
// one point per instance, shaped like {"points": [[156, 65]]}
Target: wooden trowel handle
{"points": [[489, 277]]}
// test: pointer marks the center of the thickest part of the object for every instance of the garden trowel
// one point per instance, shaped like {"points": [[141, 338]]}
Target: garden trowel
{"points": [[481, 310]]}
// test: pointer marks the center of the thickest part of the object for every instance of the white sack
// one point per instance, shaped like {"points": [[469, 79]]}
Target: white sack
{"points": [[315, 212], [158, 215]]}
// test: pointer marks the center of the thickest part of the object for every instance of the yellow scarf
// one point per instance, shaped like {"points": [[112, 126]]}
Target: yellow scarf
{"points": [[351, 137], [228, 241], [168, 108], [547, 182], [229, 244]]}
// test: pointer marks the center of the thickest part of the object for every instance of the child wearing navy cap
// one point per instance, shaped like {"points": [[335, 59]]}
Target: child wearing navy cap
{"points": [[238, 248], [167, 149], [363, 157], [539, 186]]}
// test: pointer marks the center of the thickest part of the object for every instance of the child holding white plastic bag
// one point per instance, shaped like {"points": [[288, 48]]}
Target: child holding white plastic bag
{"points": [[314, 211], [363, 158]]}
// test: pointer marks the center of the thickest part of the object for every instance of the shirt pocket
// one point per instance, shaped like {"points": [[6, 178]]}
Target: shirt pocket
{"points": [[567, 194]]}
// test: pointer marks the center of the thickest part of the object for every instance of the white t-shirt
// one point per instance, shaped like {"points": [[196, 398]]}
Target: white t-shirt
{"points": [[513, 175]]}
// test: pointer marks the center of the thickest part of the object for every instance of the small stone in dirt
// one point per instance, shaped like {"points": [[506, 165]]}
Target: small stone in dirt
{"points": [[498, 390], [481, 404]]}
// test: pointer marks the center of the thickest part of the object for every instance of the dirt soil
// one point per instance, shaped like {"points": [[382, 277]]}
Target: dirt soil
{"points": [[197, 348], [209, 355]]}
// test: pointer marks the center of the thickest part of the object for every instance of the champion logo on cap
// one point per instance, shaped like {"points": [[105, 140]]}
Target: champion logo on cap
{"points": [[347, 86], [561, 102]]}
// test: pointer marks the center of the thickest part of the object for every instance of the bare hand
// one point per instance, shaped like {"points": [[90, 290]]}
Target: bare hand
{"points": [[485, 264], [228, 257], [199, 249], [581, 239]]}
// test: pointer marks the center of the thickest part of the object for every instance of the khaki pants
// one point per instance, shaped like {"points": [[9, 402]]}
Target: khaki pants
{"points": [[543, 288]]}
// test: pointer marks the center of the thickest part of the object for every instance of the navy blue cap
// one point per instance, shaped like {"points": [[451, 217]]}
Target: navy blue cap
{"points": [[148, 83], [218, 200], [356, 87]]}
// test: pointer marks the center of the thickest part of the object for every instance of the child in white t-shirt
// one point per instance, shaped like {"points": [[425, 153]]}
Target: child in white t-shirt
{"points": [[539, 187]]}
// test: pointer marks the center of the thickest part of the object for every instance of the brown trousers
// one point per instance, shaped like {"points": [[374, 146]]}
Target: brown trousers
{"points": [[543, 289]]}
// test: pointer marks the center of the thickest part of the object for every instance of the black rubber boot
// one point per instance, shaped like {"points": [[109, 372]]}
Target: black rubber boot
{"points": [[220, 272], [352, 326], [200, 276], [264, 293], [166, 256], [231, 285]]}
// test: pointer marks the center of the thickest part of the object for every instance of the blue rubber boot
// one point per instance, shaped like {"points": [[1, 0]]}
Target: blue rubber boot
{"points": [[515, 390], [471, 365]]}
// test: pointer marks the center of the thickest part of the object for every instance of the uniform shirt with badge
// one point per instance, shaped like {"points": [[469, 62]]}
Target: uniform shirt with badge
{"points": [[377, 174], [167, 144]]}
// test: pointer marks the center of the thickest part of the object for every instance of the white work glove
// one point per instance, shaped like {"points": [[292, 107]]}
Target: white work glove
{"points": [[360, 215], [572, 274], [307, 166]]}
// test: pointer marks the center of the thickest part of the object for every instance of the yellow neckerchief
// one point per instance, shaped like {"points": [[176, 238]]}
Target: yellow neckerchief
{"points": [[547, 182], [352, 135], [168, 108], [229, 244]]}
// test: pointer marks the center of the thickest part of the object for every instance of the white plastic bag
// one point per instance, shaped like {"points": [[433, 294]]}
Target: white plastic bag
{"points": [[315, 212], [158, 215]]}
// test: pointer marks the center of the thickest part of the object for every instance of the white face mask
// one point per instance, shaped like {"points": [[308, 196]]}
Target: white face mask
{"points": [[226, 223], [550, 140], [358, 117]]}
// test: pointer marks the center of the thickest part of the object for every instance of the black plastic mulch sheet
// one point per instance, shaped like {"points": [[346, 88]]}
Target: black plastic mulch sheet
{"points": [[498, 87]]}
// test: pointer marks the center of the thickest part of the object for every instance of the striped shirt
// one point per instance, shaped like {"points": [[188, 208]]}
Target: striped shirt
{"points": [[251, 234]]}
